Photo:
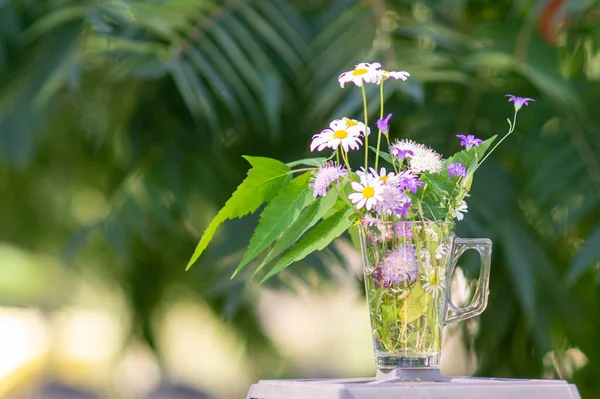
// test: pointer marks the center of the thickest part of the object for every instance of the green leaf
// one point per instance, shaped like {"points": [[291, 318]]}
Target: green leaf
{"points": [[439, 187], [354, 237], [436, 191], [467, 158], [281, 212], [389, 313], [383, 155], [317, 239], [308, 162], [521, 262], [263, 182], [309, 217], [587, 256], [54, 20], [440, 184], [194, 93], [415, 305]]}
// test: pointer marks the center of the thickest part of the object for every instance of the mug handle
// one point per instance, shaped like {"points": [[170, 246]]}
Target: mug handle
{"points": [[480, 298]]}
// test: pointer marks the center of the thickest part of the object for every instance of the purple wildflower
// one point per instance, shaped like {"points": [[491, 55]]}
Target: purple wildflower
{"points": [[403, 210], [402, 229], [321, 180], [378, 279], [410, 182], [456, 169], [401, 153], [519, 101], [393, 202], [469, 141], [383, 124], [400, 265]]}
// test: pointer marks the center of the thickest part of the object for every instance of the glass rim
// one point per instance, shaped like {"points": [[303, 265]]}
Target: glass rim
{"points": [[416, 222]]}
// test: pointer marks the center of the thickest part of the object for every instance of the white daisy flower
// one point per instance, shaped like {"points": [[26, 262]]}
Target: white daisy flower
{"points": [[425, 257], [390, 179], [368, 193], [358, 124], [422, 159], [364, 175], [338, 133], [434, 282], [362, 73], [460, 209], [384, 75], [430, 234], [322, 178], [441, 251]]}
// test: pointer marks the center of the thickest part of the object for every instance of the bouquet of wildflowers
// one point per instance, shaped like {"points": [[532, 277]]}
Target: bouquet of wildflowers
{"points": [[312, 201]]}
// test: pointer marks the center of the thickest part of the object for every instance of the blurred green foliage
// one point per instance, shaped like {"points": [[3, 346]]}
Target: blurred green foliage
{"points": [[122, 124]]}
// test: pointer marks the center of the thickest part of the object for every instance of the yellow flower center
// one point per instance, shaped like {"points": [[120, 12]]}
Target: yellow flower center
{"points": [[340, 134], [360, 71], [350, 122], [435, 278], [368, 192], [383, 179]]}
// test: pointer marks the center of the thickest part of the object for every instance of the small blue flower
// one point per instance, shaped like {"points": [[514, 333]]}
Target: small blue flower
{"points": [[519, 101], [383, 124], [469, 141], [410, 182], [402, 229], [456, 169]]}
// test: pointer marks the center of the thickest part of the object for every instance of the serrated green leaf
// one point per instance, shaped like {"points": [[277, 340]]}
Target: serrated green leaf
{"points": [[436, 190], [317, 239], [439, 187], [266, 177], [281, 212], [440, 184], [308, 162], [309, 217]]}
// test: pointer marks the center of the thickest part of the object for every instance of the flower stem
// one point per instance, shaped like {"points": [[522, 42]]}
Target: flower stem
{"points": [[345, 158], [364, 97], [377, 152], [339, 188], [380, 117], [512, 129]]}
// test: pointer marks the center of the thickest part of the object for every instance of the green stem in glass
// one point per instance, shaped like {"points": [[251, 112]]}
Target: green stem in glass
{"points": [[379, 130]]}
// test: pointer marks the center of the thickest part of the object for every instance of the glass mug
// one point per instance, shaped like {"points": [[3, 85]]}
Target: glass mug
{"points": [[408, 269]]}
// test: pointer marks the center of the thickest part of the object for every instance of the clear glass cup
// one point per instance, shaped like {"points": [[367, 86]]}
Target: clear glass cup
{"points": [[408, 267]]}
